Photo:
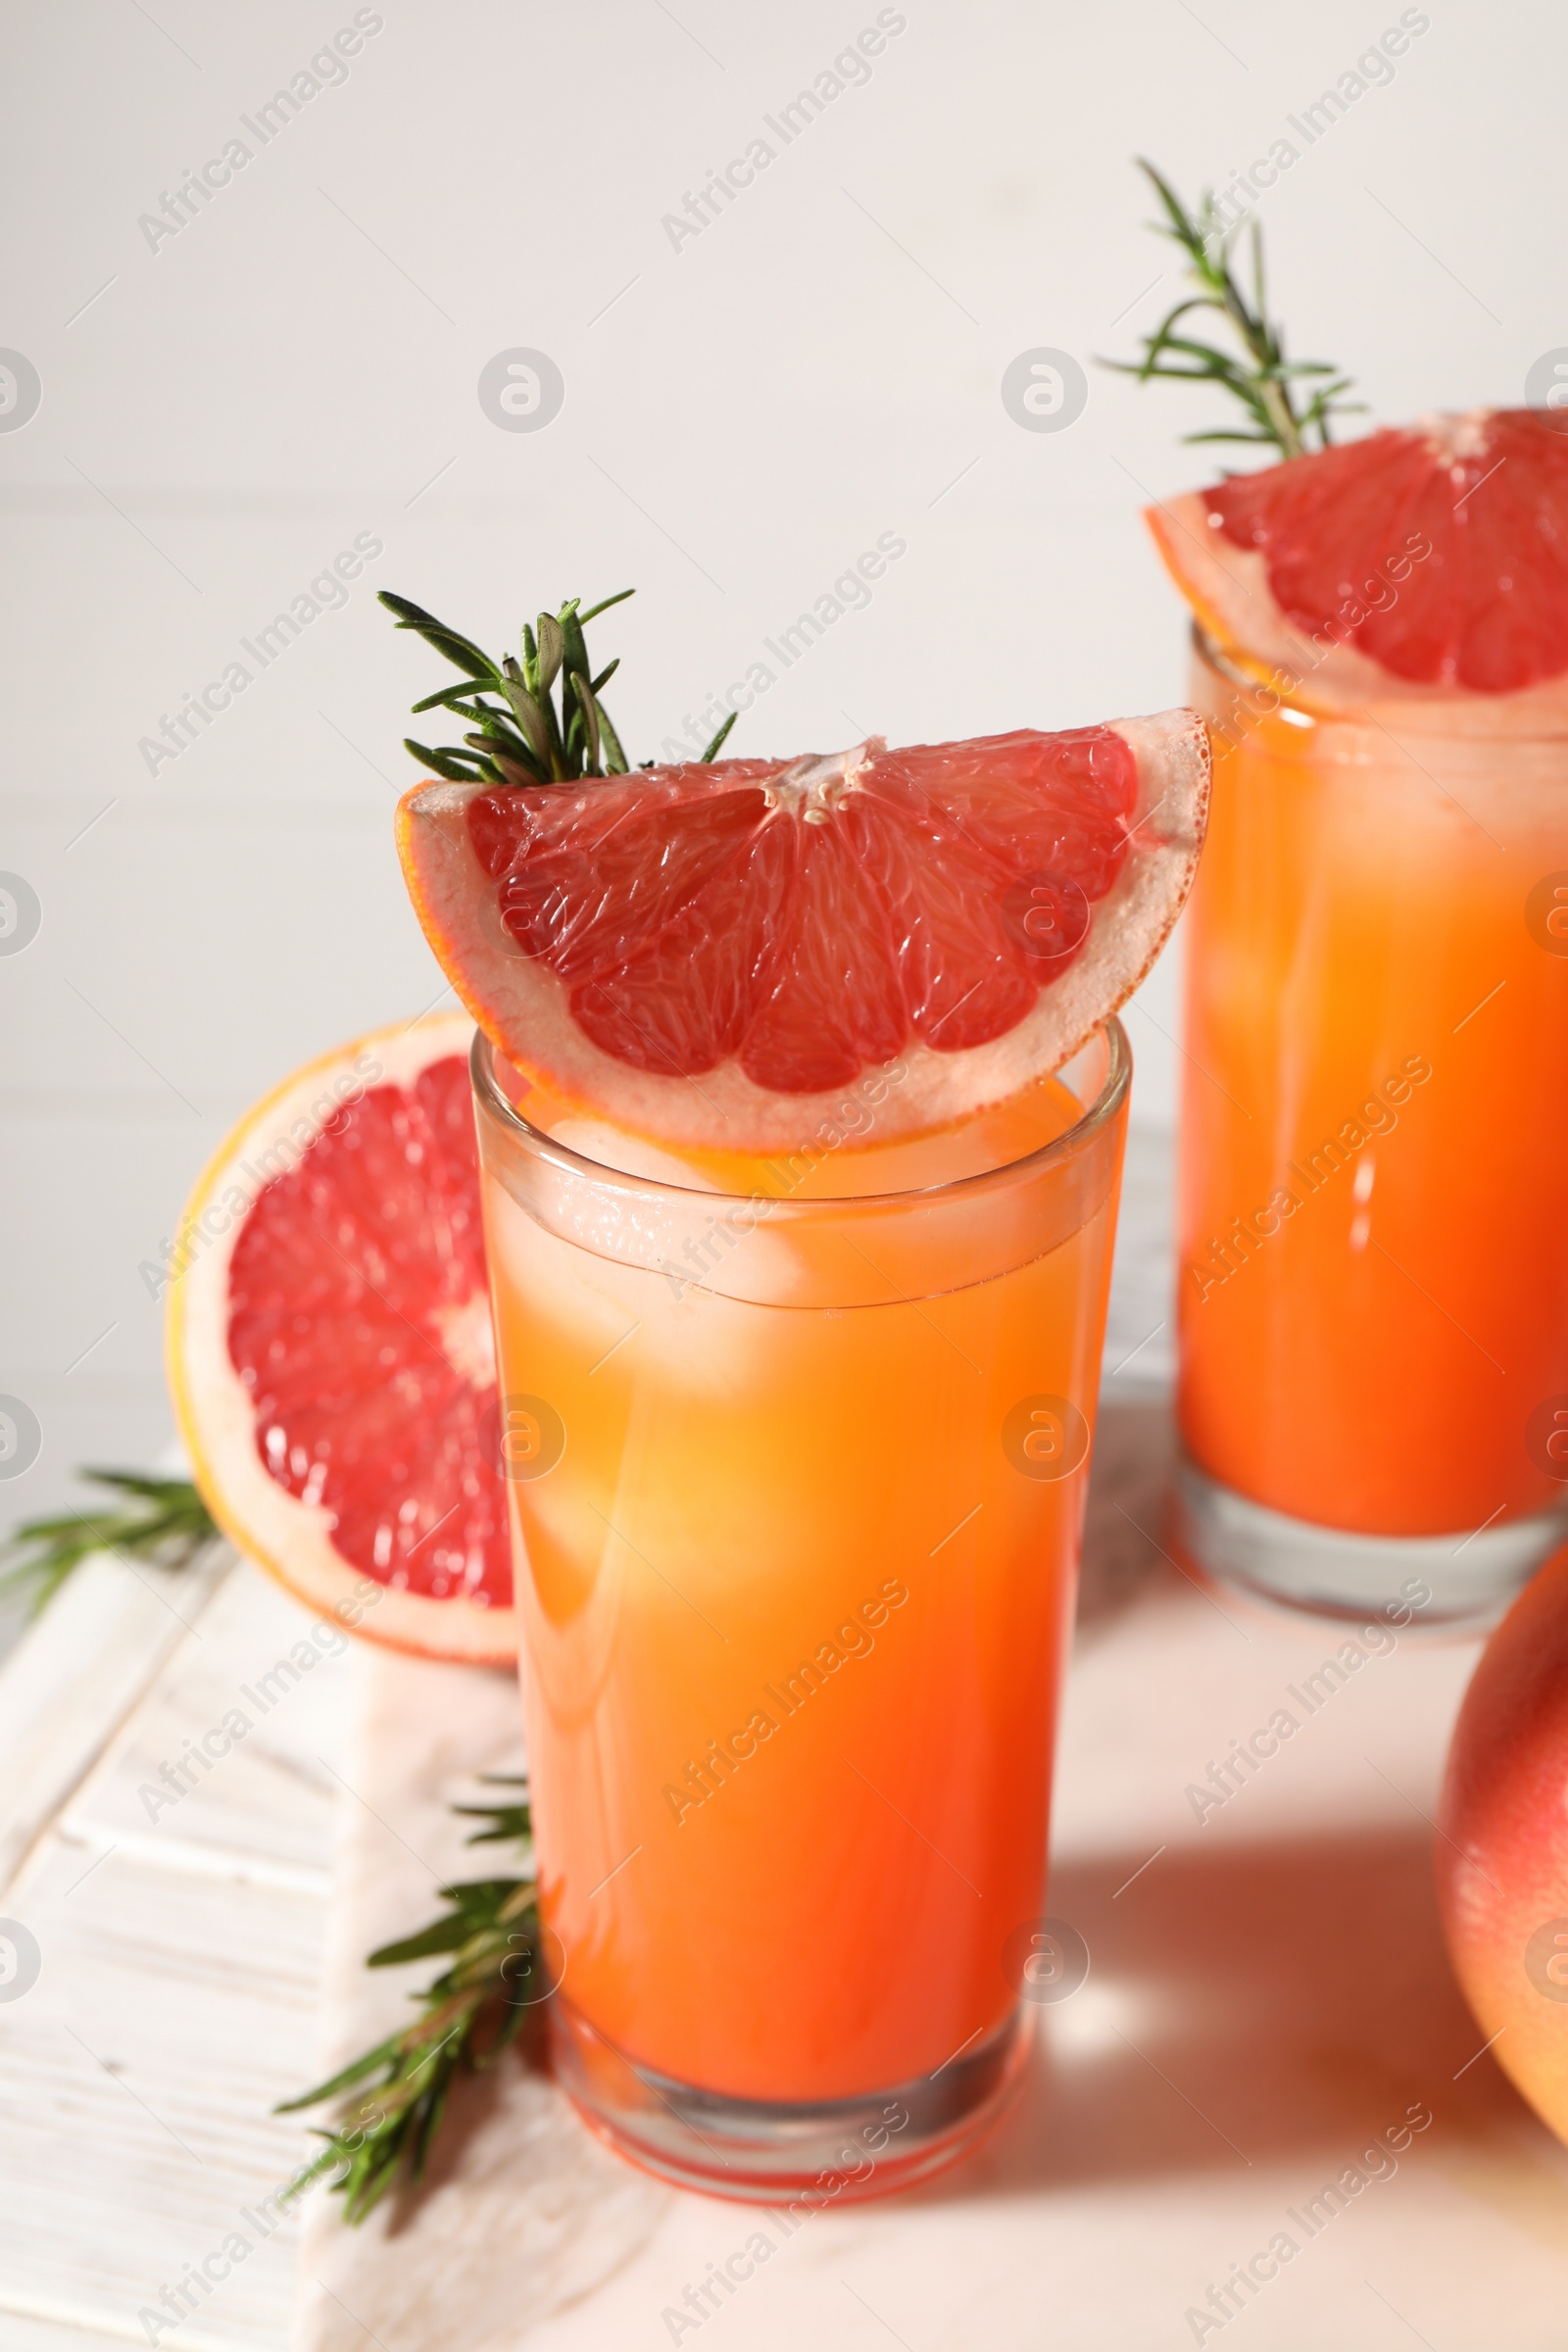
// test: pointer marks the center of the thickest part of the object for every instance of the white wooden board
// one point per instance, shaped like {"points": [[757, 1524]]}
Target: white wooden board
{"points": [[180, 1957]]}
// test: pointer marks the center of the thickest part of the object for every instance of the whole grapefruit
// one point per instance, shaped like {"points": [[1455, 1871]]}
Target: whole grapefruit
{"points": [[1502, 1855]]}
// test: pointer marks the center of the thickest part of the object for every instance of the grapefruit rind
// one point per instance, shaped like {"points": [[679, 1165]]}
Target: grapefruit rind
{"points": [[524, 1007], [287, 1536]]}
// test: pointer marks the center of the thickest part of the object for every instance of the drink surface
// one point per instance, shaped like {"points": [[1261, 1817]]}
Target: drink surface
{"points": [[1374, 1192], [846, 1156], [795, 1588]]}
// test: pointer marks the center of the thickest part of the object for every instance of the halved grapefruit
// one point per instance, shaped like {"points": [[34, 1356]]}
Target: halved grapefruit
{"points": [[706, 954], [1431, 560], [330, 1352]]}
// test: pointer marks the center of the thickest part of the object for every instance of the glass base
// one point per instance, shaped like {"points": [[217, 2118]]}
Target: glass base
{"points": [[774, 2152], [1470, 1575]]}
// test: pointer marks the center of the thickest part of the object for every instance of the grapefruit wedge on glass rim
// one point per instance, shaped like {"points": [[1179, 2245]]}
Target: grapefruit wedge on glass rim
{"points": [[703, 955], [706, 954], [329, 1347], [1427, 561]]}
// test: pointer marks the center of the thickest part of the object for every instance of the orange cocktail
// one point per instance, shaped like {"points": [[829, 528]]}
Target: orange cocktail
{"points": [[1374, 1185], [798, 1471]]}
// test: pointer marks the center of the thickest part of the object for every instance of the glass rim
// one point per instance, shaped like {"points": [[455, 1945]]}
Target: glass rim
{"points": [[1361, 715], [1074, 1140]]}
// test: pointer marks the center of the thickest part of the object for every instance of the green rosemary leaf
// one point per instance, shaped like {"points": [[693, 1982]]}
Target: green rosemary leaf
{"points": [[1233, 432], [1327, 394], [448, 695], [175, 1495], [575, 648], [459, 650], [508, 769], [615, 761], [510, 1819], [161, 1519], [498, 733], [712, 749], [531, 717], [1207, 363], [484, 714], [594, 611], [1194, 302], [589, 708], [356, 2072], [427, 2123], [452, 765], [474, 1905], [551, 651], [1180, 227]]}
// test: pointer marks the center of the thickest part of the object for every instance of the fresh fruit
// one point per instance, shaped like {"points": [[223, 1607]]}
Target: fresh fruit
{"points": [[711, 951], [1433, 556], [1502, 1853], [330, 1351], [708, 952], [1425, 562]]}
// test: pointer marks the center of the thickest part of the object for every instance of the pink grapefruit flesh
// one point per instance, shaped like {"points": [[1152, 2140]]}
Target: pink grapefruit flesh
{"points": [[707, 953], [330, 1346], [1428, 559]]}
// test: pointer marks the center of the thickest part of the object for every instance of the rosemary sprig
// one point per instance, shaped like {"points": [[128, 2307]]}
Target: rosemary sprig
{"points": [[161, 1519], [500, 1975], [545, 723], [1284, 408]]}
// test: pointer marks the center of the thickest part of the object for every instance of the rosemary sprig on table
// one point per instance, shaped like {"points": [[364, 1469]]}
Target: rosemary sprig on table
{"points": [[468, 2015], [524, 737], [1284, 406], [161, 1519]]}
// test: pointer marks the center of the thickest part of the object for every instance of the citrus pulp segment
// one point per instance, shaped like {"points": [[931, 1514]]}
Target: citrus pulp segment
{"points": [[330, 1351]]}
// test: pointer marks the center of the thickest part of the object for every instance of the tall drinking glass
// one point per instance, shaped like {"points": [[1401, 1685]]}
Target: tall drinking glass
{"points": [[798, 1487], [1373, 1318]]}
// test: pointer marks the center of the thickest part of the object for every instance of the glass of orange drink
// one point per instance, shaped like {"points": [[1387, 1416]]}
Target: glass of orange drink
{"points": [[1373, 1240], [800, 1104], [1373, 1224], [796, 1470]]}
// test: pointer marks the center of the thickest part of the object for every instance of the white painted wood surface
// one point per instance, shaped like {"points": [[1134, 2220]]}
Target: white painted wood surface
{"points": [[180, 1953], [104, 1638]]}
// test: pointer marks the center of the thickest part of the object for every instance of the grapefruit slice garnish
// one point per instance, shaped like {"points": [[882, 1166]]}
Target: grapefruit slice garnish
{"points": [[711, 953], [1434, 557], [330, 1351]]}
